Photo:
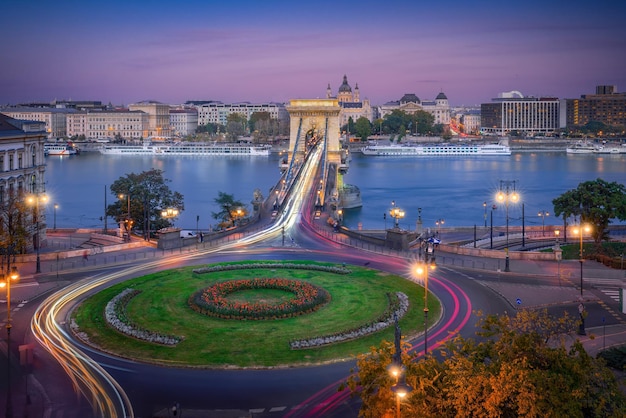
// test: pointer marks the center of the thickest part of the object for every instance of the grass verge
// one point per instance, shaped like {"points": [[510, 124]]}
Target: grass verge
{"points": [[356, 298]]}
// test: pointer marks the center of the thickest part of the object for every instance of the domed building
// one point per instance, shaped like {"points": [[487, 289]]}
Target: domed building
{"points": [[410, 103], [350, 102]]}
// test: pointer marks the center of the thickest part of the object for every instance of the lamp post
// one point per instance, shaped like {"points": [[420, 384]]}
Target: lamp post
{"points": [[438, 223], [169, 213], [543, 215], [422, 271], [581, 307], [35, 200], [396, 213], [56, 206], [401, 389], [128, 223], [507, 194], [485, 209], [5, 281]]}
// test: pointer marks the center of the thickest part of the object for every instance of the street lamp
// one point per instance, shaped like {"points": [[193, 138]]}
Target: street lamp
{"points": [[485, 209], [579, 230], [507, 194], [396, 213], [438, 223], [543, 215], [401, 389], [581, 308], [169, 213], [35, 200], [5, 281], [422, 271], [128, 223], [56, 206]]}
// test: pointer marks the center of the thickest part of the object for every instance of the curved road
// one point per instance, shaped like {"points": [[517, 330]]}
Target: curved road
{"points": [[118, 387]]}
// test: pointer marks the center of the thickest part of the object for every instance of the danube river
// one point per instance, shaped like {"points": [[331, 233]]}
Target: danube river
{"points": [[452, 189]]}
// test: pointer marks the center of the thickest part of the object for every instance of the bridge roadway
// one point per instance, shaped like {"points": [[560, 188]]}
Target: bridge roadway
{"points": [[307, 392]]}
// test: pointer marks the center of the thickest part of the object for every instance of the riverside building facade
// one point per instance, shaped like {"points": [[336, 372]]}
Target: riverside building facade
{"points": [[410, 104], [108, 124], [511, 111], [22, 170], [606, 106]]}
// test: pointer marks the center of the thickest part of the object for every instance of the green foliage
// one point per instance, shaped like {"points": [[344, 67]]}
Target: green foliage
{"points": [[162, 307], [363, 128], [596, 202], [149, 195], [520, 366], [228, 208], [397, 121], [13, 215]]}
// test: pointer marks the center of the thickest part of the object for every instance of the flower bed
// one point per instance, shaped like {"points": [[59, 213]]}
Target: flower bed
{"points": [[295, 266], [115, 316], [214, 300], [398, 304]]}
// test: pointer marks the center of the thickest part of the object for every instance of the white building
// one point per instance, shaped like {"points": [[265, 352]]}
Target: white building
{"points": [[107, 124], [410, 103], [217, 113], [511, 111], [54, 119], [22, 169], [183, 122]]}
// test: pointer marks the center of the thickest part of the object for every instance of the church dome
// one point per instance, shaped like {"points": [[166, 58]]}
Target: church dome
{"points": [[345, 87], [441, 96]]}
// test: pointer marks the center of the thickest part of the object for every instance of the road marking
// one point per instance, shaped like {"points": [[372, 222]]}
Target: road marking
{"points": [[278, 408]]}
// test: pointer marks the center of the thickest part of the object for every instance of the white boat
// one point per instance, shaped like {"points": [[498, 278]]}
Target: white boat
{"points": [[192, 150], [59, 149], [610, 150], [437, 150], [581, 147]]}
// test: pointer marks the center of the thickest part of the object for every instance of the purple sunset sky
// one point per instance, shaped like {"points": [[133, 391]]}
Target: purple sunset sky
{"points": [[260, 51]]}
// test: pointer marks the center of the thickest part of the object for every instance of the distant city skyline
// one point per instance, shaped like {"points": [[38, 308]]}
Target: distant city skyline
{"points": [[274, 51]]}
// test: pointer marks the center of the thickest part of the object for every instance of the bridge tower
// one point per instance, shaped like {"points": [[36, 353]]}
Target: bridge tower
{"points": [[318, 120]]}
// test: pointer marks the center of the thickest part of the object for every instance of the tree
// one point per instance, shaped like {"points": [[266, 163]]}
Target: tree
{"points": [[596, 202], [363, 128], [522, 366], [13, 231], [148, 195], [230, 209], [235, 125], [256, 117]]}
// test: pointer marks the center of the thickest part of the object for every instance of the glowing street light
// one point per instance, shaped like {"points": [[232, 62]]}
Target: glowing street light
{"points": [[543, 215], [507, 194], [579, 230], [35, 200], [396, 213]]}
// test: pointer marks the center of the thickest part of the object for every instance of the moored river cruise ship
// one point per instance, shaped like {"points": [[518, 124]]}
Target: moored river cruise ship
{"points": [[437, 150], [192, 150]]}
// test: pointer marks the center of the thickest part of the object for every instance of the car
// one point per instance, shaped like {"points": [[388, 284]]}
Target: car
{"points": [[187, 234], [318, 214], [274, 214]]}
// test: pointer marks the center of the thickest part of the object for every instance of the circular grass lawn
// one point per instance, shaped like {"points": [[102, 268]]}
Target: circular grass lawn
{"points": [[357, 298]]}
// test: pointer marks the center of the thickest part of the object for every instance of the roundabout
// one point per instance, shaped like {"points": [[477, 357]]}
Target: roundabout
{"points": [[250, 314]]}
